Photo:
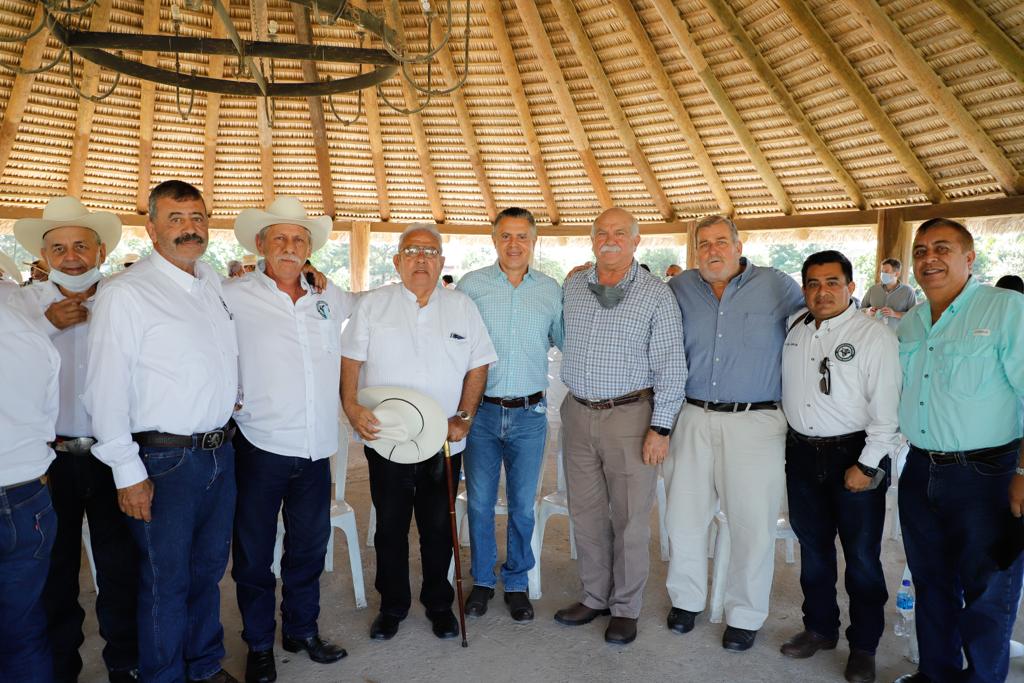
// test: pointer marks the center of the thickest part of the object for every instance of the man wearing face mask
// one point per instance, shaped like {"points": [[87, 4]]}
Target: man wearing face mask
{"points": [[73, 242], [889, 299]]}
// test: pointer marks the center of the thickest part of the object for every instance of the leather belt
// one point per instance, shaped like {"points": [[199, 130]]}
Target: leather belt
{"points": [[517, 402], [81, 445], [207, 441], [976, 455], [44, 480], [733, 407], [821, 440], [617, 401]]}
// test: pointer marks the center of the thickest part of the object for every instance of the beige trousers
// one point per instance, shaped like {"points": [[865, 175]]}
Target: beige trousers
{"points": [[611, 493], [736, 461]]}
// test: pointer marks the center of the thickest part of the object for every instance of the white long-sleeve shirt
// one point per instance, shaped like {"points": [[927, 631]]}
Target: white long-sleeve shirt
{"points": [[864, 367], [289, 364], [29, 366], [163, 356]]}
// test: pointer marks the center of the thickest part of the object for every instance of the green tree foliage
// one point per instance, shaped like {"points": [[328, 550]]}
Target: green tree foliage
{"points": [[659, 259]]}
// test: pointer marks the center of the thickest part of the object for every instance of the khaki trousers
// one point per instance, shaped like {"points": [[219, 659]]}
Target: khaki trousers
{"points": [[736, 461], [610, 494]]}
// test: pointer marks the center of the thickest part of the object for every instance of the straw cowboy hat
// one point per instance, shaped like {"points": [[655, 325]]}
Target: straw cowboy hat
{"points": [[287, 210], [10, 268], [63, 212], [412, 425], [250, 260]]}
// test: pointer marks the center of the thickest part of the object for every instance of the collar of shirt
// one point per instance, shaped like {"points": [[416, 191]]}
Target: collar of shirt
{"points": [[959, 303], [176, 274], [496, 272], [260, 275], [626, 280], [738, 280], [835, 323]]}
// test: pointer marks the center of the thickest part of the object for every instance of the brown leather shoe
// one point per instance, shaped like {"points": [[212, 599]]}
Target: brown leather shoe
{"points": [[860, 667], [805, 644], [579, 614], [620, 631]]}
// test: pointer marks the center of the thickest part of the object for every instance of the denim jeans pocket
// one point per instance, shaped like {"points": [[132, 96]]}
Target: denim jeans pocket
{"points": [[162, 461], [46, 528], [1002, 467]]}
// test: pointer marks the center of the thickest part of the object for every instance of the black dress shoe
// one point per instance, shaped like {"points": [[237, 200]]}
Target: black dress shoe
{"points": [[476, 603], [259, 667], [738, 639], [443, 623], [519, 606], [806, 643], [916, 677], [860, 667], [221, 676], [620, 631], [681, 620], [320, 651], [384, 627], [579, 614], [129, 676]]}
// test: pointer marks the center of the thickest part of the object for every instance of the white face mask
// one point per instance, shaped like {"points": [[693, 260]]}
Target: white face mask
{"points": [[887, 278], [77, 283]]}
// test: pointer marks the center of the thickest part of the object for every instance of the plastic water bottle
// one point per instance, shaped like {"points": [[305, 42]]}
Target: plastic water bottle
{"points": [[905, 606]]}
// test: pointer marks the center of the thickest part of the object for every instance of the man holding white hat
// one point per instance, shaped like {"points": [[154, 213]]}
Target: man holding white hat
{"points": [[74, 242], [418, 336], [288, 429], [161, 386]]}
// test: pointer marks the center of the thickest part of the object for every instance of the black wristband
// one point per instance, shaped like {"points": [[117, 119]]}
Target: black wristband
{"points": [[661, 431], [868, 471]]}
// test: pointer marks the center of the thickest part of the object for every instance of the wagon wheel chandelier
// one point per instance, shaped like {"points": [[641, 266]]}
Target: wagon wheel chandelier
{"points": [[255, 75]]}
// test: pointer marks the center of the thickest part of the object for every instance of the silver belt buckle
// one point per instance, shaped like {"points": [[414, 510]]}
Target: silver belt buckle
{"points": [[212, 440]]}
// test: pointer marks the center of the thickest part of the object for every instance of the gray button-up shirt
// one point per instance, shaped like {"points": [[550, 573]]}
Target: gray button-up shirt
{"points": [[901, 300]]}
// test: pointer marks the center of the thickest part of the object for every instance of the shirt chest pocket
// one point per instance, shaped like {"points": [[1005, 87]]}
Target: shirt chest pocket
{"points": [[458, 349], [968, 366], [328, 335]]}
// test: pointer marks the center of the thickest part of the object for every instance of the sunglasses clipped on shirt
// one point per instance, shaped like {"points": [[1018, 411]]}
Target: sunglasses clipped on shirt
{"points": [[825, 383]]}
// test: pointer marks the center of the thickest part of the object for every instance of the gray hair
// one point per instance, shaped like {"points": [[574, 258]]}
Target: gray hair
{"points": [[634, 226], [515, 212], [420, 227], [715, 219]]}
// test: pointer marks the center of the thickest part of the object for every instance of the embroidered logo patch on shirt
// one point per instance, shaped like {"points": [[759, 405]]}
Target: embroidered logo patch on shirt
{"points": [[323, 309], [845, 352]]}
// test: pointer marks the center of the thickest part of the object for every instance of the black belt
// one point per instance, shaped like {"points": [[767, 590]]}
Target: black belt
{"points": [[517, 402], [76, 445], [617, 401], [976, 455], [821, 440], [733, 407], [206, 441]]}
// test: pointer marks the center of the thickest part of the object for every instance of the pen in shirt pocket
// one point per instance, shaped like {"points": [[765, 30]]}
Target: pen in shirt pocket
{"points": [[456, 335]]}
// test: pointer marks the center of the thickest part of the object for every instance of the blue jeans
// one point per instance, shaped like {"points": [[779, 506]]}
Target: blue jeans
{"points": [[820, 507], [513, 437], [265, 481], [184, 551], [28, 526], [953, 516]]}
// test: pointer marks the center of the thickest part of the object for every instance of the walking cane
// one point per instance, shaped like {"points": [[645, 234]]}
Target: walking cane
{"points": [[455, 540]]}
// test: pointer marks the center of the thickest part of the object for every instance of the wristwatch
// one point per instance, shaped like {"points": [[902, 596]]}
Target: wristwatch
{"points": [[661, 431], [868, 471], [464, 416], [1020, 471]]}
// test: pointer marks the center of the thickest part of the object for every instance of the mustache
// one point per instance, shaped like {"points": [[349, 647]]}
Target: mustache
{"points": [[290, 258], [189, 237], [610, 249]]}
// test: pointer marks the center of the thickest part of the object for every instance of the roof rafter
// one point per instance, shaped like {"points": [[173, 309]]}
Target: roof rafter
{"points": [[780, 93], [499, 33], [869, 15], [805, 22], [983, 29], [597, 76], [656, 70], [99, 21], [264, 129], [214, 70], [147, 106], [31, 55], [304, 34], [380, 174]]}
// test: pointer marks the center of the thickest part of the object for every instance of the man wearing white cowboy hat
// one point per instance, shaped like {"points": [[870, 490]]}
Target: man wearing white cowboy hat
{"points": [[161, 386], [418, 336], [73, 242], [288, 429]]}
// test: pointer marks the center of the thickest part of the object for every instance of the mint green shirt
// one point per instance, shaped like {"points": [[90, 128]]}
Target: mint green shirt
{"points": [[963, 377]]}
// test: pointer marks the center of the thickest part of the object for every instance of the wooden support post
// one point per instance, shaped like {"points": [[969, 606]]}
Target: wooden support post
{"points": [[894, 241], [691, 244], [359, 256]]}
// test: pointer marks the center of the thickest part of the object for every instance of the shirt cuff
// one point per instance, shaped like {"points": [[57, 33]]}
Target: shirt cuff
{"points": [[871, 456], [664, 415], [130, 473]]}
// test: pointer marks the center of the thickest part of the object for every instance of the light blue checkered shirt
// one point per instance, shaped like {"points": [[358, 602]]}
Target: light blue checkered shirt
{"points": [[522, 321], [638, 344]]}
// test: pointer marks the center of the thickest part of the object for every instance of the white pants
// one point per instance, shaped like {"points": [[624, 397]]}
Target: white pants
{"points": [[735, 461]]}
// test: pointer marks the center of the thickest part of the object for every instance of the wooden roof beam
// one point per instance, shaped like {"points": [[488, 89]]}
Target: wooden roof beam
{"points": [[214, 70], [464, 118], [780, 93], [983, 29], [581, 44], [304, 34], [99, 21], [31, 56], [377, 152], [147, 106], [688, 46], [805, 21], [873, 18], [499, 33], [264, 129], [656, 70], [552, 71]]}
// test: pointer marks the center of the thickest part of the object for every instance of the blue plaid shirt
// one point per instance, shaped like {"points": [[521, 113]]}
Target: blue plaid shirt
{"points": [[523, 323], [638, 344]]}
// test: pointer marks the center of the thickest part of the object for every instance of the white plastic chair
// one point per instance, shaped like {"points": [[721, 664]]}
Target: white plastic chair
{"points": [[554, 503], [87, 542], [342, 517]]}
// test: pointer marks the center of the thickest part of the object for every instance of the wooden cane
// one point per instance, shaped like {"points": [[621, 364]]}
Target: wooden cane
{"points": [[455, 540]]}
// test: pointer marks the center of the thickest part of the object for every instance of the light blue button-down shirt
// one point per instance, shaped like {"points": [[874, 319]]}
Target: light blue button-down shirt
{"points": [[963, 377], [522, 321], [734, 346]]}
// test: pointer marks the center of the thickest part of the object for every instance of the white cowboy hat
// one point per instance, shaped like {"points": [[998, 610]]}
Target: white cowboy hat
{"points": [[250, 260], [287, 210], [10, 268], [62, 212], [413, 427]]}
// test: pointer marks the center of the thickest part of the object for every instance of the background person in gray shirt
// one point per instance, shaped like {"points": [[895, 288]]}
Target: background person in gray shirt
{"points": [[890, 297]]}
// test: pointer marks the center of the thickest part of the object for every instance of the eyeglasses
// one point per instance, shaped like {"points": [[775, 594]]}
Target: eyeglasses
{"points": [[427, 252], [825, 384]]}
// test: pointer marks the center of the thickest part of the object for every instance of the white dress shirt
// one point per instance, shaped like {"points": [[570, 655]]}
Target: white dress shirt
{"points": [[163, 357], [429, 349], [864, 364], [29, 366], [289, 364], [72, 344]]}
